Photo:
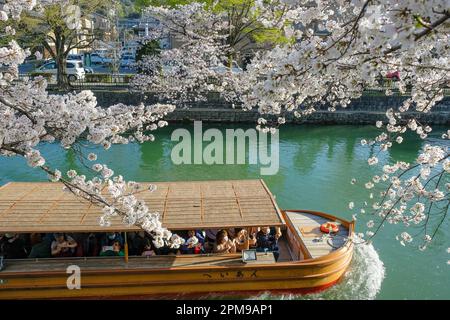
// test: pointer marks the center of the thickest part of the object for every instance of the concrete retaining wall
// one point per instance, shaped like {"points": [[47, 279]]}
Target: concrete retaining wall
{"points": [[364, 110]]}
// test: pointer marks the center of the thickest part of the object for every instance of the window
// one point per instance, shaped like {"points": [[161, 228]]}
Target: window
{"points": [[70, 66], [49, 66]]}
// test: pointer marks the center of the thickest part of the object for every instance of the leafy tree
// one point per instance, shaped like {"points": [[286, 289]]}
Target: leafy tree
{"points": [[58, 29], [246, 27], [149, 48], [140, 4]]}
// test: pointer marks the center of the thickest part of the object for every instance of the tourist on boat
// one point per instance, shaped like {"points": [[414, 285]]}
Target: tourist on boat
{"points": [[12, 246], [223, 243], [137, 242], [176, 242], [211, 235], [91, 246], [41, 246], [201, 236], [244, 241], [114, 250], [63, 245], [192, 244], [148, 248], [267, 240], [107, 241]]}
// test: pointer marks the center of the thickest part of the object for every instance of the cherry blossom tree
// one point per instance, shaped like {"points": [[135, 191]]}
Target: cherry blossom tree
{"points": [[211, 35], [29, 115], [364, 40]]}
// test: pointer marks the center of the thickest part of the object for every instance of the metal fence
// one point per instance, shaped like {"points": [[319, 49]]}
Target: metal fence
{"points": [[92, 81], [121, 82]]}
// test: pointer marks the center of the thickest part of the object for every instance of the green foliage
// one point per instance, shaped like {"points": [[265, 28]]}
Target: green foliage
{"points": [[237, 11], [127, 78], [128, 9], [98, 77], [150, 48], [139, 4]]}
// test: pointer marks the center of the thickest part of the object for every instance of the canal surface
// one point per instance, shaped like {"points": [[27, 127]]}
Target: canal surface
{"points": [[316, 166]]}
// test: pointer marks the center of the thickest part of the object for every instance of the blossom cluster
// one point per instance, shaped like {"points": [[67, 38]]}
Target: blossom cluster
{"points": [[30, 115], [336, 50]]}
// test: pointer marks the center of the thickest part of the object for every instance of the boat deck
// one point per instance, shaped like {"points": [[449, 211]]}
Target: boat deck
{"points": [[116, 263], [307, 227]]}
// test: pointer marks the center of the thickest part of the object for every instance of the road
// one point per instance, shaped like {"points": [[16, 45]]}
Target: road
{"points": [[30, 66]]}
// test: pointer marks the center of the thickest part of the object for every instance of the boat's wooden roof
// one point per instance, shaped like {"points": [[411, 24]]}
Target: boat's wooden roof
{"points": [[45, 207]]}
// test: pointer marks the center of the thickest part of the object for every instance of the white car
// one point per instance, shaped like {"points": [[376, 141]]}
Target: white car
{"points": [[74, 69]]}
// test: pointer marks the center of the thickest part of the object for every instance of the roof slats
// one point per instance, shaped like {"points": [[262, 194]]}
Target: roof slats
{"points": [[45, 207]]}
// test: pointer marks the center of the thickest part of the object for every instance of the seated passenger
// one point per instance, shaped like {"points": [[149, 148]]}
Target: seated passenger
{"points": [[243, 241], [148, 249], [266, 241], [41, 247], [108, 240], [175, 244], [91, 246], [114, 250], [136, 243], [201, 236], [63, 245], [231, 233], [211, 235], [223, 244], [12, 246], [192, 244]]}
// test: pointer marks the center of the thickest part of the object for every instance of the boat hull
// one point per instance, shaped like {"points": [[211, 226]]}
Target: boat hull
{"points": [[291, 277], [168, 276]]}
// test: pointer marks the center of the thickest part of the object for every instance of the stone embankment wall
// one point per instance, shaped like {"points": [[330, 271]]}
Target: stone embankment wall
{"points": [[365, 110]]}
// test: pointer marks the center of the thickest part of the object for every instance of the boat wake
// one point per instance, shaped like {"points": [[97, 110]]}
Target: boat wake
{"points": [[361, 282]]}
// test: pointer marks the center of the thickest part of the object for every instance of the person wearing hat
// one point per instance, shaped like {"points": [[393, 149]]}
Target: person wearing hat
{"points": [[12, 246]]}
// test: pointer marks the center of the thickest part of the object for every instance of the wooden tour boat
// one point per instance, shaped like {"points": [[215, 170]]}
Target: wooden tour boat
{"points": [[307, 261]]}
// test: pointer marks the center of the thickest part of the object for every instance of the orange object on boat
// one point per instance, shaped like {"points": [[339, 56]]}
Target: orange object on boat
{"points": [[329, 227]]}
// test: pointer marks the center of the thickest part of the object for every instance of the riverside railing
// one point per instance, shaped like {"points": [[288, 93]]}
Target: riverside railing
{"points": [[91, 81], [121, 82]]}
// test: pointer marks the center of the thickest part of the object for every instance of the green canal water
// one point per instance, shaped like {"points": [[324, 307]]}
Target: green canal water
{"points": [[316, 166]]}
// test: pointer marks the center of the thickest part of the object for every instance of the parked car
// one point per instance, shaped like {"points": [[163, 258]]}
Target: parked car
{"points": [[80, 57], [74, 69]]}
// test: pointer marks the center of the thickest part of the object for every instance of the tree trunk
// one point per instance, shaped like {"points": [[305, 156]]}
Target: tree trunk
{"points": [[60, 59], [63, 81]]}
